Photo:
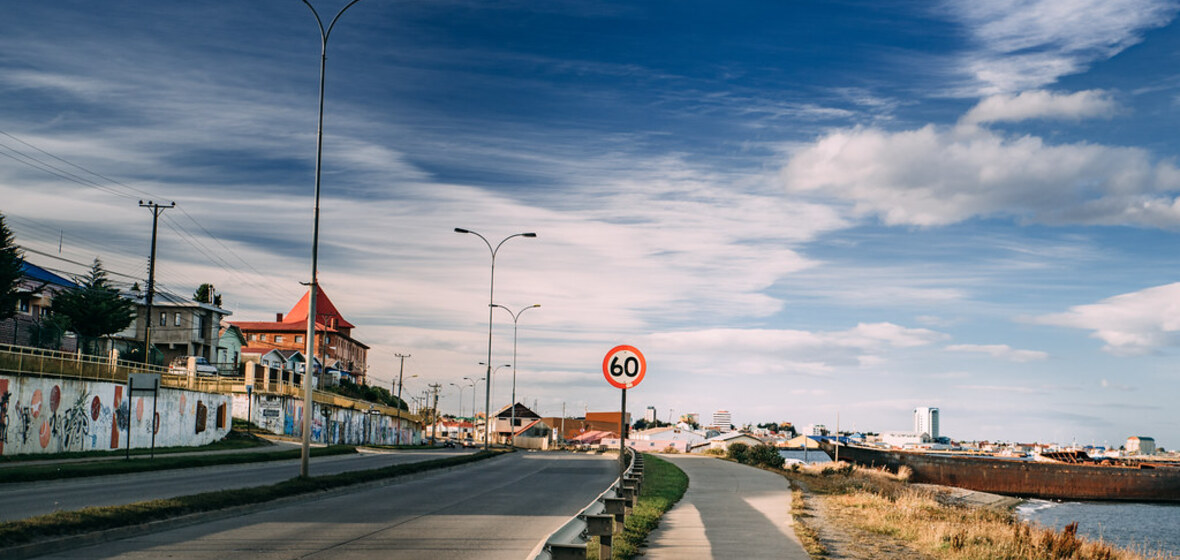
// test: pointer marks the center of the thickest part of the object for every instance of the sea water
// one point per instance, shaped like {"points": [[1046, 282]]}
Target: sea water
{"points": [[1144, 528]]}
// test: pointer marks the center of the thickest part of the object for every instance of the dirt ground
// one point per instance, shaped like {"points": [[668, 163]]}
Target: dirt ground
{"points": [[838, 533]]}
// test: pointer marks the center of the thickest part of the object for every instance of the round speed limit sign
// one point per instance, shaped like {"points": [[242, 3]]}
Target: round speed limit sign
{"points": [[624, 366]]}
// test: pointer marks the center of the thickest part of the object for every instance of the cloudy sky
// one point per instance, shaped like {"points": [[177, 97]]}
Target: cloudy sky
{"points": [[796, 210]]}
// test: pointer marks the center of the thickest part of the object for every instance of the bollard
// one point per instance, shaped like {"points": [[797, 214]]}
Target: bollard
{"points": [[628, 495], [603, 527]]}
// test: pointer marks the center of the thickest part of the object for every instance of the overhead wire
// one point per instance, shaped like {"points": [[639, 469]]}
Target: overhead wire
{"points": [[189, 238]]}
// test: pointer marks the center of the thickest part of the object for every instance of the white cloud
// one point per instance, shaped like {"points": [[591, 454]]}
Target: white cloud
{"points": [[1041, 104], [1001, 351], [1134, 323], [1026, 44], [934, 176]]}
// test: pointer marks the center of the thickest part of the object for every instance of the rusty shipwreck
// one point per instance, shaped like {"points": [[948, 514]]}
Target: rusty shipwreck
{"points": [[1062, 476]]}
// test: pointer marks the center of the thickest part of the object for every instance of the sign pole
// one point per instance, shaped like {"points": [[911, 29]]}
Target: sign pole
{"points": [[623, 439], [155, 418], [130, 400]]}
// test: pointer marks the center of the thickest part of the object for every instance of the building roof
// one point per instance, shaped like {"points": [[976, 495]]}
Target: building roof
{"points": [[522, 411], [324, 311], [39, 274]]}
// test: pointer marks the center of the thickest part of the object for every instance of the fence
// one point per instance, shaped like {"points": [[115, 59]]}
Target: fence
{"points": [[50, 363]]}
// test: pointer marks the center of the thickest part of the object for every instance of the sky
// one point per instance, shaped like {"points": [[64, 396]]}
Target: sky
{"points": [[811, 212]]}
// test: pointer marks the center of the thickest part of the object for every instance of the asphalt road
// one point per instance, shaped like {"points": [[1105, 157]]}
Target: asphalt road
{"points": [[22, 500], [495, 509]]}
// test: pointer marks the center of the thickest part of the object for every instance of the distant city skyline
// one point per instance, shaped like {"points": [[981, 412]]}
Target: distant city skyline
{"points": [[796, 210]]}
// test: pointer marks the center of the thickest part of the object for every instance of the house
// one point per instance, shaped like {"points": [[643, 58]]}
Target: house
{"points": [[723, 441], [565, 429], [35, 290], [229, 347], [534, 434], [502, 426], [667, 437], [347, 357], [180, 326]]}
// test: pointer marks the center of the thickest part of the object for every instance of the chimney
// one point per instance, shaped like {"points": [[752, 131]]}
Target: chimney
{"points": [[278, 317]]}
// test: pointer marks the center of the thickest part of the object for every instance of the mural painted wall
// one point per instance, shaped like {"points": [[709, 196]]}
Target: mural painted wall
{"points": [[49, 415], [284, 415]]}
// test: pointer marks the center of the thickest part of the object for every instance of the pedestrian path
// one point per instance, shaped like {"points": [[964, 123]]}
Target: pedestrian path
{"points": [[729, 511]]}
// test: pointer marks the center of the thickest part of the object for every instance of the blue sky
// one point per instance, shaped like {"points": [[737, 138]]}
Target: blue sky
{"points": [[795, 209]]}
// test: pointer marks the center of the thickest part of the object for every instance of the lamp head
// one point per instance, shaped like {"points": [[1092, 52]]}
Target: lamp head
{"points": [[530, 234], [461, 230]]}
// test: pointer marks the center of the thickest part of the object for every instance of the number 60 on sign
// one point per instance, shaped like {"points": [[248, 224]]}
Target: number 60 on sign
{"points": [[624, 366]]}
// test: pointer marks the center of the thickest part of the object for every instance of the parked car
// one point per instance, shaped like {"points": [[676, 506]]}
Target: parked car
{"points": [[180, 366]]}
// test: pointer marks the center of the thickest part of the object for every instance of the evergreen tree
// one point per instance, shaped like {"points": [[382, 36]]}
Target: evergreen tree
{"points": [[206, 293], [10, 267], [96, 310]]}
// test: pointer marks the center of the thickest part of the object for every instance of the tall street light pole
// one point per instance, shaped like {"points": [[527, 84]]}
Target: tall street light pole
{"points": [[313, 286], [515, 318], [487, 412], [491, 301], [460, 388]]}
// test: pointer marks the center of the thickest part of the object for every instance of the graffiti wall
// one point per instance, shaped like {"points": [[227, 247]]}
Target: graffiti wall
{"points": [[47, 415], [329, 424]]}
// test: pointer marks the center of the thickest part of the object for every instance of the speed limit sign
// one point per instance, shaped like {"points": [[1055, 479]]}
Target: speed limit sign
{"points": [[624, 366]]}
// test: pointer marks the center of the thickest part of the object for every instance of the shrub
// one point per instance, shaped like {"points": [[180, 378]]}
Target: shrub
{"points": [[714, 452], [765, 456], [738, 452]]}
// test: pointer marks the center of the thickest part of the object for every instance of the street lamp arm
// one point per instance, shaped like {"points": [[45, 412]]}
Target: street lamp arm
{"points": [[324, 33]]}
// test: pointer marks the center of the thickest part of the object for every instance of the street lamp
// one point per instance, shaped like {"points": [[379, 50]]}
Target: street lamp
{"points": [[491, 379], [313, 286], [491, 300], [515, 317], [474, 382], [460, 387]]}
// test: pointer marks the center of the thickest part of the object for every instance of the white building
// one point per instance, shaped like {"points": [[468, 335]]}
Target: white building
{"points": [[904, 439], [722, 420], [649, 415], [926, 421]]}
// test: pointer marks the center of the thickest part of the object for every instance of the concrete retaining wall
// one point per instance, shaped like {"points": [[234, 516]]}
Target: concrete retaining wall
{"points": [[284, 414], [52, 415]]}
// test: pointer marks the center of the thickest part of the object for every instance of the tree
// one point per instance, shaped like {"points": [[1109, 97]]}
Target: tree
{"points": [[96, 309], [206, 293], [10, 271]]}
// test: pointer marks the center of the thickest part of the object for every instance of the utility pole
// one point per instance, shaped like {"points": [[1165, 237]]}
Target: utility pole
{"points": [[434, 413], [156, 209], [400, 371]]}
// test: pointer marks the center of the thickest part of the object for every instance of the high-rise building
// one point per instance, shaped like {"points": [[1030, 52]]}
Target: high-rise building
{"points": [[722, 420], [926, 421], [649, 415]]}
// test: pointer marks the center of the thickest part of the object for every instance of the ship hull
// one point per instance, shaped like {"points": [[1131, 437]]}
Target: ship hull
{"points": [[1028, 479]]}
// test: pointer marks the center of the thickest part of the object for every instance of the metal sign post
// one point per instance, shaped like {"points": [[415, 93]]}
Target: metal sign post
{"points": [[143, 383], [624, 367]]}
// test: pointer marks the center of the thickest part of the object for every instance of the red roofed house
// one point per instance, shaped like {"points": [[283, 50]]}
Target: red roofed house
{"points": [[344, 354]]}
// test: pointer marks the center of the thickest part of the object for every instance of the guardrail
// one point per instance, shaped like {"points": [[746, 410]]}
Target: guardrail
{"points": [[599, 519]]}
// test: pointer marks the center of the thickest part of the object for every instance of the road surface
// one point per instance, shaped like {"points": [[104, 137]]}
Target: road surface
{"points": [[22, 500], [495, 509]]}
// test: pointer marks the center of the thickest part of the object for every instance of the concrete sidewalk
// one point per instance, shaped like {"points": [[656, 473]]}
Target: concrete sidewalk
{"points": [[729, 511]]}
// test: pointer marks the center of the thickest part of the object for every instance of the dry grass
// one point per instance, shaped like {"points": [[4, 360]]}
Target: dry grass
{"points": [[883, 506]]}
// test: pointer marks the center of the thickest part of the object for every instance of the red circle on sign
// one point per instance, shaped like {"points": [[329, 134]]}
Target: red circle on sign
{"points": [[624, 366]]}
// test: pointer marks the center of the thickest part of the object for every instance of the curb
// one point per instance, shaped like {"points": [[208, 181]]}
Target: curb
{"points": [[40, 548]]}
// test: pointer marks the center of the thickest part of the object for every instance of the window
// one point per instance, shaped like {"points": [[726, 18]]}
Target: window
{"points": [[24, 305], [298, 338], [278, 338], [163, 319], [262, 337], [177, 319], [253, 337]]}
